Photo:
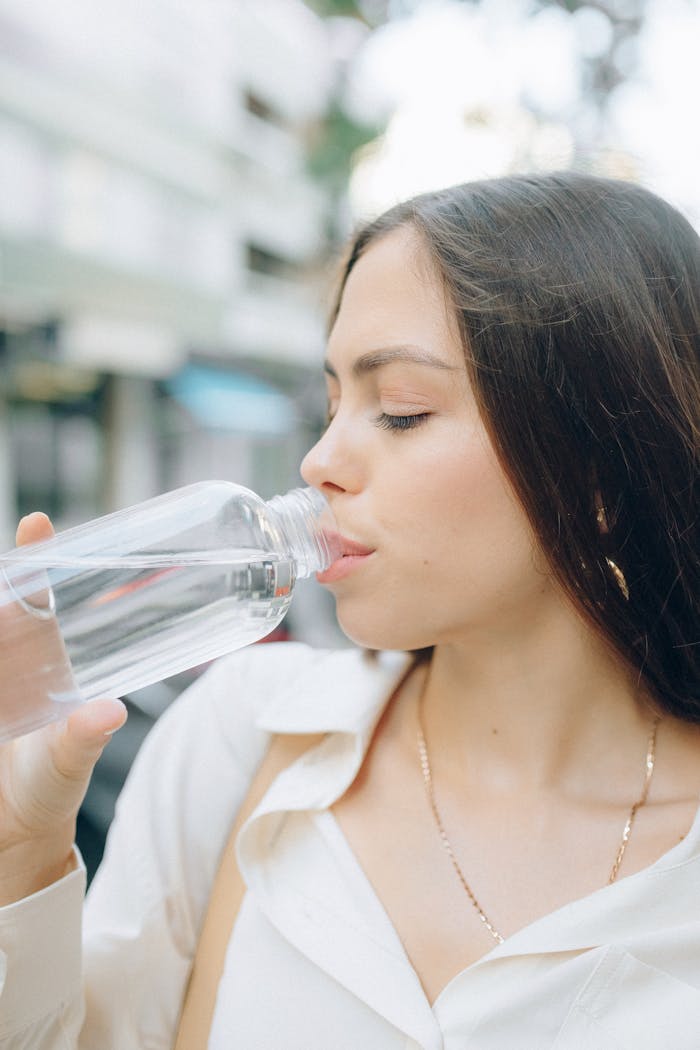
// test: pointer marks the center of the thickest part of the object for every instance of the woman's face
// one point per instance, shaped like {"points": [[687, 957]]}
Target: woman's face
{"points": [[410, 472]]}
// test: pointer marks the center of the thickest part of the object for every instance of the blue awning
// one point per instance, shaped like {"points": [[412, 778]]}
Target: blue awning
{"points": [[220, 400]]}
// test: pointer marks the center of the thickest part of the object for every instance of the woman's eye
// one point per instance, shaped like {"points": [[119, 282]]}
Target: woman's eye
{"points": [[387, 422]]}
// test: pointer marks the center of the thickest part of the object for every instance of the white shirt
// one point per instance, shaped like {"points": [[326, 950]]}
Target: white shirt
{"points": [[314, 962]]}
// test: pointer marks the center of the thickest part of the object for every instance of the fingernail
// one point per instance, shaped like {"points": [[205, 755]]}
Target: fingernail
{"points": [[123, 710]]}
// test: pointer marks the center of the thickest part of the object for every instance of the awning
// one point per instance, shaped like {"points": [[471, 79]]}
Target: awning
{"points": [[234, 401]]}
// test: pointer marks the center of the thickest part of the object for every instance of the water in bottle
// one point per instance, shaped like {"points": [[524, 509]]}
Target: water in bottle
{"points": [[131, 598]]}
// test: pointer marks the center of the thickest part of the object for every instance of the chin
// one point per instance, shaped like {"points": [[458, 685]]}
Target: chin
{"points": [[388, 636]]}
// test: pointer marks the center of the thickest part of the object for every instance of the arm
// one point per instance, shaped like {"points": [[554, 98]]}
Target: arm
{"points": [[147, 901], [43, 778]]}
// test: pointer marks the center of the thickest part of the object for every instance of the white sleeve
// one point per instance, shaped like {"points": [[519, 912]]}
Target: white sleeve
{"points": [[147, 901], [40, 965]]}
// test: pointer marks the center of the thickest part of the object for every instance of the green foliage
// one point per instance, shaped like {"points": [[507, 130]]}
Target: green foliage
{"points": [[331, 8], [335, 142], [372, 12]]}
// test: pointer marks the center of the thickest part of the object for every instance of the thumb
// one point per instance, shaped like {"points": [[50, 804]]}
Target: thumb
{"points": [[33, 527], [82, 738]]}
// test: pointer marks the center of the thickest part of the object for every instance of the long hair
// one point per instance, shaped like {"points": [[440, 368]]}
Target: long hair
{"points": [[578, 303]]}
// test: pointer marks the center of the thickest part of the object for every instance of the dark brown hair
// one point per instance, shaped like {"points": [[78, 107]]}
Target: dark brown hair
{"points": [[578, 303]]}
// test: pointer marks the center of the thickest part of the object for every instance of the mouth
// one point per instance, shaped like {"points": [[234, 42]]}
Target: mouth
{"points": [[349, 556]]}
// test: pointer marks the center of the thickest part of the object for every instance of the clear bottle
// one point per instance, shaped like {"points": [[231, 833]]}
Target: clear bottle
{"points": [[131, 598]]}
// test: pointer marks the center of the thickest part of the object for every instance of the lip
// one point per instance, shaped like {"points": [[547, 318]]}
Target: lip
{"points": [[351, 555]]}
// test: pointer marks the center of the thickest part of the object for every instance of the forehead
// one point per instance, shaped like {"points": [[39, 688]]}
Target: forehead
{"points": [[394, 296]]}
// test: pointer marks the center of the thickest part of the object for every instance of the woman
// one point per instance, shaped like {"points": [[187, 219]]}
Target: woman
{"points": [[496, 842]]}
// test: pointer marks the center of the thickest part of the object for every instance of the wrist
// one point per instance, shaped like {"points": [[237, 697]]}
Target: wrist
{"points": [[28, 868]]}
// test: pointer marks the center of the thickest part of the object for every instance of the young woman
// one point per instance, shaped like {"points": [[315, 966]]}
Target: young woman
{"points": [[495, 843]]}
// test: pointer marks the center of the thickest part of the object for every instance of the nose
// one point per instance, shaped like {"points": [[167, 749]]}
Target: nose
{"points": [[333, 464]]}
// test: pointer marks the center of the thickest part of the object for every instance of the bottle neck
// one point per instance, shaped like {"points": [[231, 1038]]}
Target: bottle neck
{"points": [[308, 525]]}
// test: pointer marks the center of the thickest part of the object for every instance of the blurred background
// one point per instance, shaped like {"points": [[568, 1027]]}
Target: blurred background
{"points": [[176, 184]]}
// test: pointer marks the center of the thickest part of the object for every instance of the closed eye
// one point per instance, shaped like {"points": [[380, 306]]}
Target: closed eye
{"points": [[387, 422]]}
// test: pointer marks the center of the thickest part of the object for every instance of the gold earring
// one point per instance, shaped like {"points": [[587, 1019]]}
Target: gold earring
{"points": [[619, 578]]}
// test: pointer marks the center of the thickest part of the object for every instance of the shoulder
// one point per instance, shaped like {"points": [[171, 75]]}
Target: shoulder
{"points": [[196, 766], [205, 749], [214, 722], [288, 688], [240, 693], [198, 760], [190, 777]]}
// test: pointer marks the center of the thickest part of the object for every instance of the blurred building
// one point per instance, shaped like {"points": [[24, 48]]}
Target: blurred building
{"points": [[159, 233], [158, 237]]}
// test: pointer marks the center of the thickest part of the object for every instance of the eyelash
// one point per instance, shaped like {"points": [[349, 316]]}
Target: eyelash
{"points": [[387, 422]]}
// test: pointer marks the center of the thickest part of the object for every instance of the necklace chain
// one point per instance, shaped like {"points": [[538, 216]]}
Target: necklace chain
{"points": [[648, 774], [447, 845]]}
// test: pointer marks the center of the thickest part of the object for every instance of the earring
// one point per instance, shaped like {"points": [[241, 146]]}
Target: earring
{"points": [[619, 578]]}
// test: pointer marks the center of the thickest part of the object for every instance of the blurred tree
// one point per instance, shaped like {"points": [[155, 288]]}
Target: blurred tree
{"points": [[371, 12], [610, 67], [334, 142]]}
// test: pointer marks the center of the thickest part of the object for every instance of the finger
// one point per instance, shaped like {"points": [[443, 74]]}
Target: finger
{"points": [[81, 740], [34, 527]]}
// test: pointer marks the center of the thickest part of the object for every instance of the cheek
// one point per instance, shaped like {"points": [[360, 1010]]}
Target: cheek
{"points": [[464, 523], [454, 490], [457, 550]]}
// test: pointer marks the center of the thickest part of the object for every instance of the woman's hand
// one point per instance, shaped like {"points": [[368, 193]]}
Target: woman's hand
{"points": [[43, 779]]}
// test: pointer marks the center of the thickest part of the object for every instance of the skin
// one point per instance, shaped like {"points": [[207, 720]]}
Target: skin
{"points": [[537, 732]]}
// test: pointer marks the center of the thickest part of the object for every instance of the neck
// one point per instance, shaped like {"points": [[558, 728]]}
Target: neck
{"points": [[551, 708]]}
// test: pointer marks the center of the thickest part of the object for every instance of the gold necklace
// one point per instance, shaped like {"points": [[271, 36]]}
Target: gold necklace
{"points": [[447, 845]]}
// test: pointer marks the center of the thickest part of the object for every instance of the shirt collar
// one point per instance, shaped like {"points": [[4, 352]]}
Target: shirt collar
{"points": [[640, 906], [336, 692], [342, 694]]}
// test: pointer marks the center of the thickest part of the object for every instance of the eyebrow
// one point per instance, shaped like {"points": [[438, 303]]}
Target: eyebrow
{"points": [[375, 359]]}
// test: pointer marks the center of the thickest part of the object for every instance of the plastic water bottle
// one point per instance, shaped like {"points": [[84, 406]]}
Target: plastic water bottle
{"points": [[131, 598]]}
